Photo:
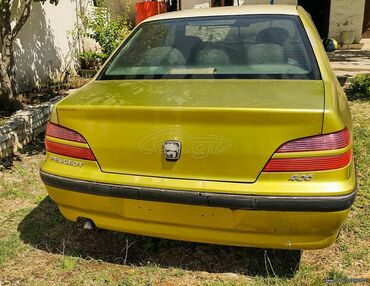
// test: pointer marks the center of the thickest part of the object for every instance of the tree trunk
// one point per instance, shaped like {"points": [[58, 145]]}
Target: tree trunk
{"points": [[7, 94], [7, 99], [9, 63], [8, 86]]}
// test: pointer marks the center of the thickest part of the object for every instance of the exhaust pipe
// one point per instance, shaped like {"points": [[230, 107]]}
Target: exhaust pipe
{"points": [[88, 224]]}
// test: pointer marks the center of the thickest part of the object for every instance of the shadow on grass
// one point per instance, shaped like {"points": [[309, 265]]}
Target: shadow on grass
{"points": [[36, 146], [44, 228]]}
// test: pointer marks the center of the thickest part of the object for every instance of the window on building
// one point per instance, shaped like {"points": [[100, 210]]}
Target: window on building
{"points": [[172, 5], [221, 3]]}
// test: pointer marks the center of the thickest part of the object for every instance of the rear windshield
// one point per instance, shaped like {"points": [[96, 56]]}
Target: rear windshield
{"points": [[262, 46]]}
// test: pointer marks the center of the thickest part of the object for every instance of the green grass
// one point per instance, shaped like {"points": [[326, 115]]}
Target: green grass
{"points": [[10, 247], [67, 263], [39, 247]]}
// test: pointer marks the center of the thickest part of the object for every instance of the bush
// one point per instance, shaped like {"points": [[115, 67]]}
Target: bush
{"points": [[359, 87], [99, 3], [107, 31], [91, 60]]}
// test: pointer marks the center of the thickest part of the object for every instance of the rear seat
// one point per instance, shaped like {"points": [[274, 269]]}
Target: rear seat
{"points": [[265, 53], [189, 46], [269, 47], [212, 56], [167, 56]]}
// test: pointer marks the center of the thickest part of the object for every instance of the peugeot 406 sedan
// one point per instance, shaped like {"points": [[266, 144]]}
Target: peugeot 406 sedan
{"points": [[222, 125]]}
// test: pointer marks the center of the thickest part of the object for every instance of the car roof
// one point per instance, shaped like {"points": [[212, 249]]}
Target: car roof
{"points": [[228, 11]]}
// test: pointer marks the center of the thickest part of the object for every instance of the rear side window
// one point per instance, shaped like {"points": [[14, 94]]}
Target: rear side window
{"points": [[263, 46]]}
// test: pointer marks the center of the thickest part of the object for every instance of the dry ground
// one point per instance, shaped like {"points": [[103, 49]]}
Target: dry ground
{"points": [[39, 247]]}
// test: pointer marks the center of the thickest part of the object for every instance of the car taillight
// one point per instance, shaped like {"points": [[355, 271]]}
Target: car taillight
{"points": [[330, 141], [57, 131], [319, 163], [333, 141], [60, 132]]}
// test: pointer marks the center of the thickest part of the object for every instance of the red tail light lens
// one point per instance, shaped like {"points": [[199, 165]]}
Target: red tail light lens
{"points": [[308, 164], [60, 132], [69, 151], [331, 141]]}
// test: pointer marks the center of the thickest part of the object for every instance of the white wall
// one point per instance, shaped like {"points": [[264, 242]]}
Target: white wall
{"points": [[346, 15], [45, 47], [190, 4], [117, 7]]}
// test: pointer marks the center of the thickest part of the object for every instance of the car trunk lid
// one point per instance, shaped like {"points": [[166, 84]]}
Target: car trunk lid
{"points": [[228, 129]]}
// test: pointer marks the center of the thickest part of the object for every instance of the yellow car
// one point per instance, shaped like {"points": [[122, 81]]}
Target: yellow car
{"points": [[221, 125]]}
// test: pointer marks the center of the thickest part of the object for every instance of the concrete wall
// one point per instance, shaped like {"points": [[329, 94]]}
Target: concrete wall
{"points": [[24, 126], [117, 7], [346, 15], [190, 4], [45, 47]]}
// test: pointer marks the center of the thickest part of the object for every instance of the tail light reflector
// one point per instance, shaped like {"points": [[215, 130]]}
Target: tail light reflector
{"points": [[309, 163], [69, 151], [60, 132]]}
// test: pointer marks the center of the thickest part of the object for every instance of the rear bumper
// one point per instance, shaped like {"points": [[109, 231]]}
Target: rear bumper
{"points": [[221, 200], [227, 219]]}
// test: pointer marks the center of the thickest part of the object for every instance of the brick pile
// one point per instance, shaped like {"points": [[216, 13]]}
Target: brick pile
{"points": [[23, 126]]}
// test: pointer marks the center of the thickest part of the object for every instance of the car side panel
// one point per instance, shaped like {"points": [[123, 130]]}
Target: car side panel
{"points": [[336, 113]]}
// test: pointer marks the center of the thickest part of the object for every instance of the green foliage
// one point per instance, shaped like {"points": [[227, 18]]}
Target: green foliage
{"points": [[99, 3], [9, 248], [107, 31], [67, 263], [359, 87], [91, 60]]}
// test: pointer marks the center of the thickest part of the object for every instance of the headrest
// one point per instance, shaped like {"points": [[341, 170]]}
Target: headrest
{"points": [[212, 56], [273, 35], [164, 56], [265, 54]]}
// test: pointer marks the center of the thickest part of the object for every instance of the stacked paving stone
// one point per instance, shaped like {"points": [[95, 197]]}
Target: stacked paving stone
{"points": [[23, 126]]}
